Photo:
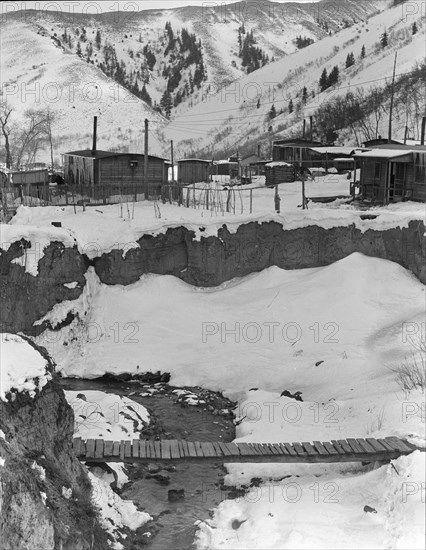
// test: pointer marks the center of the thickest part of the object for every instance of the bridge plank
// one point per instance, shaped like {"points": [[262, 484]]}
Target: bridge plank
{"points": [[157, 449], [299, 449], [142, 448], [322, 451], [108, 445], [378, 447], [180, 448], [191, 449], [329, 448], [309, 449], [90, 448], [283, 449], [260, 449], [217, 448], [135, 448], [289, 449], [355, 446], [116, 448], [154, 450], [122, 450], [127, 448], [386, 444], [76, 445], [366, 446], [399, 444], [268, 449], [198, 448], [233, 449], [208, 450], [337, 446], [277, 448], [345, 446], [244, 449], [174, 449], [165, 449], [224, 449]]}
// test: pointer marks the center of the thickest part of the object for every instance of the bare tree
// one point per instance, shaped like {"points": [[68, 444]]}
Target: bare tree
{"points": [[5, 112], [35, 133]]}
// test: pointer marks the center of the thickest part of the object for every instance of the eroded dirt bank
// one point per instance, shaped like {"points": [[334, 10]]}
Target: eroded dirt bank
{"points": [[45, 494], [208, 261]]}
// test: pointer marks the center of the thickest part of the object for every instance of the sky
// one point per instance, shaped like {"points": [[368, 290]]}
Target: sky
{"points": [[102, 6]]}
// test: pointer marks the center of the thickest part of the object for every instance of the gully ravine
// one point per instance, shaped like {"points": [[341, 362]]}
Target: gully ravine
{"points": [[174, 523]]}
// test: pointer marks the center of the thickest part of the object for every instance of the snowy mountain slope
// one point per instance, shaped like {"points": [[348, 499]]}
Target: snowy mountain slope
{"points": [[230, 118], [36, 74], [39, 51]]}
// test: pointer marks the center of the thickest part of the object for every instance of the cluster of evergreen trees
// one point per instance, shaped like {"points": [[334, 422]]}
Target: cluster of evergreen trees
{"points": [[327, 80], [350, 60], [303, 42], [252, 57], [184, 51]]}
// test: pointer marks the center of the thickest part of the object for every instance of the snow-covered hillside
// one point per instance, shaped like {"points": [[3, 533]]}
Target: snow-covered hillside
{"points": [[37, 74], [94, 65], [237, 116]]}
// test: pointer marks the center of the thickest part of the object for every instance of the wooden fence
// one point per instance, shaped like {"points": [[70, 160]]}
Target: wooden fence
{"points": [[216, 200]]}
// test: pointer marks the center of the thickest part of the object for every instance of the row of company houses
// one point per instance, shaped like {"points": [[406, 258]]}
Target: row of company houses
{"points": [[390, 171]]}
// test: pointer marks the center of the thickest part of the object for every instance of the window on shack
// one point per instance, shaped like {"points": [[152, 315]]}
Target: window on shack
{"points": [[420, 168]]}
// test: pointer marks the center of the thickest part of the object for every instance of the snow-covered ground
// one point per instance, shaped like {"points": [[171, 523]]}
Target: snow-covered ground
{"points": [[99, 229], [22, 368], [324, 507], [106, 415], [115, 513], [333, 333]]}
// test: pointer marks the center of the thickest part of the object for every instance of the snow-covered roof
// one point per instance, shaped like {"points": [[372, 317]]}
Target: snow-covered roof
{"points": [[343, 159], [88, 153], [335, 150], [277, 163], [23, 368], [384, 153], [195, 160]]}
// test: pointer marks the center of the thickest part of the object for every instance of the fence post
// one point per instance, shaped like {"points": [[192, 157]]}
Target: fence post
{"points": [[188, 197], [251, 200], [207, 199], [277, 200], [170, 194]]}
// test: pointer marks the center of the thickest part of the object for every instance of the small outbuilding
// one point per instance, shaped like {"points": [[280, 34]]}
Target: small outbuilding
{"points": [[194, 170], [278, 172]]}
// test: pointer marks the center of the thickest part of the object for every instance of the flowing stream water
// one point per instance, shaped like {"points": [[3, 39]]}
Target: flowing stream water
{"points": [[175, 523]]}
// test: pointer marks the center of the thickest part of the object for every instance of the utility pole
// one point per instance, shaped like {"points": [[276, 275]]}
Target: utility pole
{"points": [[173, 164], [302, 171], [145, 168], [391, 102]]}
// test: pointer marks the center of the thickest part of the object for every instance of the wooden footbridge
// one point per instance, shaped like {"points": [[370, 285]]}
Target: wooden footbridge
{"points": [[342, 450]]}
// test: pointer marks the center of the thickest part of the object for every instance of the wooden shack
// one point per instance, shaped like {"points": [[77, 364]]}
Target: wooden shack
{"points": [[37, 177], [92, 168], [393, 175], [295, 151], [225, 168], [194, 170], [252, 166], [278, 172]]}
